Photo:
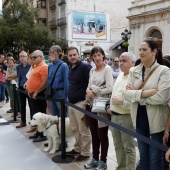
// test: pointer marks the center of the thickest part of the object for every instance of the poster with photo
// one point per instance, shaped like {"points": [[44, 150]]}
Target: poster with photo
{"points": [[89, 25]]}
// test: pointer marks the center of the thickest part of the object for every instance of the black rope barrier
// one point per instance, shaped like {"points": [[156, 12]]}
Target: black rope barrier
{"points": [[63, 158]]}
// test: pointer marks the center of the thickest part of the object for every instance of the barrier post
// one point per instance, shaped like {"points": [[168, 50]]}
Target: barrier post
{"points": [[14, 91], [63, 158]]}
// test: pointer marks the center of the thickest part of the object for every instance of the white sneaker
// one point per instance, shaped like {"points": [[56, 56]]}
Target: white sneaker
{"points": [[4, 102]]}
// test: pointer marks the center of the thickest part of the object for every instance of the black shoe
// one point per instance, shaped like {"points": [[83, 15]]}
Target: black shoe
{"points": [[40, 139], [34, 136], [59, 147], [73, 152], [81, 158]]}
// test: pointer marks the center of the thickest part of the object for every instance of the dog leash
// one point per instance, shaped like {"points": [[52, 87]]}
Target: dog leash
{"points": [[52, 123]]}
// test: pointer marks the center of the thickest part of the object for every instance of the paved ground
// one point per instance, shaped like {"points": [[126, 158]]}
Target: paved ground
{"points": [[71, 166]]}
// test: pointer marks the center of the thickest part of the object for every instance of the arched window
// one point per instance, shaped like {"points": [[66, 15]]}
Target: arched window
{"points": [[156, 34]]}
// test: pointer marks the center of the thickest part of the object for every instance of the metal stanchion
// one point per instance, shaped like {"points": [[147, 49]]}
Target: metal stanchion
{"points": [[63, 158], [15, 104]]}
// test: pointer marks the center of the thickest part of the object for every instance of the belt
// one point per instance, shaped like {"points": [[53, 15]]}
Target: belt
{"points": [[56, 90], [115, 113]]}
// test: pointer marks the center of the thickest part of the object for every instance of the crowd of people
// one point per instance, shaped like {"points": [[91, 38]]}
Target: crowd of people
{"points": [[139, 90]]}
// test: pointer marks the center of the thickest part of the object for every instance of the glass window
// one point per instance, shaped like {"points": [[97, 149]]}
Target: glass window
{"points": [[43, 3]]}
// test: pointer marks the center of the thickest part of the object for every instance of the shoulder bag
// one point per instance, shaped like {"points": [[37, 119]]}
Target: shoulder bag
{"points": [[48, 90], [99, 104], [142, 85]]}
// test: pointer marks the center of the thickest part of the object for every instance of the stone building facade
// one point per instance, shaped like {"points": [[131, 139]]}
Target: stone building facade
{"points": [[149, 18]]}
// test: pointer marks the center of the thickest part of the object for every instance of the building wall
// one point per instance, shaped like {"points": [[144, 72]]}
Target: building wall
{"points": [[145, 16], [116, 12]]}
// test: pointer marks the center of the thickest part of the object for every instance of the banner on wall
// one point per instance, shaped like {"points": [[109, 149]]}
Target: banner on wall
{"points": [[89, 26]]}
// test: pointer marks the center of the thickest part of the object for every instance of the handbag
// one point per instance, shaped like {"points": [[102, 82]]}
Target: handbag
{"points": [[99, 104], [49, 90]]}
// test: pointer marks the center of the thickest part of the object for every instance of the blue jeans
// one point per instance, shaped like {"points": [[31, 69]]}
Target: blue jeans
{"points": [[56, 106], [2, 92], [151, 158]]}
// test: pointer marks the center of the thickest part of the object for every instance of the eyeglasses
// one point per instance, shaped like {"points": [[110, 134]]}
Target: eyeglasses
{"points": [[34, 57], [116, 61], [52, 52]]}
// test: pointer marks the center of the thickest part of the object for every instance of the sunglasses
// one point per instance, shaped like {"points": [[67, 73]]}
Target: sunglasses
{"points": [[34, 57], [116, 61]]}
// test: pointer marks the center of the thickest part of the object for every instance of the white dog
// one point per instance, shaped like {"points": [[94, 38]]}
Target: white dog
{"points": [[47, 125]]}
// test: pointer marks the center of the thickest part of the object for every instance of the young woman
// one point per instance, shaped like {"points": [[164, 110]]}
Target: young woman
{"points": [[100, 85], [149, 109], [2, 84]]}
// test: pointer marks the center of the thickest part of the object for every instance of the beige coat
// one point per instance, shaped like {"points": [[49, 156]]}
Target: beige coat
{"points": [[156, 105], [97, 78]]}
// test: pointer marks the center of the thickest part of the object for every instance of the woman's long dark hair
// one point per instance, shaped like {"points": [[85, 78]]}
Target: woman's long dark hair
{"points": [[154, 45]]}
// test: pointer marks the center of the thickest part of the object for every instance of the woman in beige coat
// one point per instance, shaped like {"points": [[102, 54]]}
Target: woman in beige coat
{"points": [[149, 110]]}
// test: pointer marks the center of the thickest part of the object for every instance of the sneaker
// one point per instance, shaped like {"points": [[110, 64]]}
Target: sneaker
{"points": [[91, 163], [101, 166]]}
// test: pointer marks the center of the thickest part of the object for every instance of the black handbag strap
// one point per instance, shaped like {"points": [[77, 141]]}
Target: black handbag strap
{"points": [[55, 74]]}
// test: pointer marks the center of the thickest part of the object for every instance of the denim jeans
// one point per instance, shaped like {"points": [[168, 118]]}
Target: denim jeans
{"points": [[2, 92], [55, 105], [151, 158]]}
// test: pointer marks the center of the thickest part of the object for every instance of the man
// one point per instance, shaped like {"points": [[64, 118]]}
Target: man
{"points": [[60, 83], [78, 82], [22, 70], [115, 68], [35, 86], [120, 110]]}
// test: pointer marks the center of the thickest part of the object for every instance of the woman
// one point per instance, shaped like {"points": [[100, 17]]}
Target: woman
{"points": [[149, 110], [2, 84], [100, 84], [11, 75]]}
